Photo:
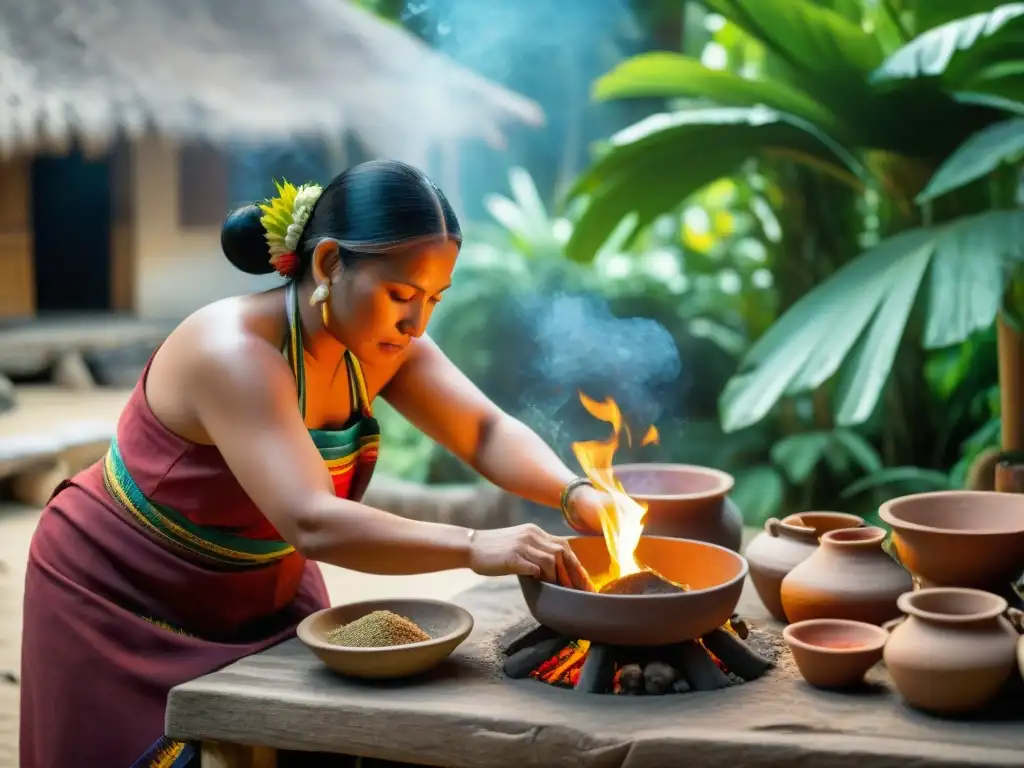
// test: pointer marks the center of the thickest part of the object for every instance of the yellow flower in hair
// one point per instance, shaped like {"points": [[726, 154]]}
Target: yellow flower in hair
{"points": [[285, 216]]}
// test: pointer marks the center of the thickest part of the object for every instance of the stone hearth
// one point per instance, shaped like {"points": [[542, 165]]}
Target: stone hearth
{"points": [[468, 714]]}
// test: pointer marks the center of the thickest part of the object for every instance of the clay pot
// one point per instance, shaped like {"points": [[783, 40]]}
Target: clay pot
{"points": [[959, 538], [783, 545], [849, 576], [834, 653], [685, 502], [1020, 656], [953, 652]]}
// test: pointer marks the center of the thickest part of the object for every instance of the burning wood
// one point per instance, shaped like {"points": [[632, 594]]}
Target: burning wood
{"points": [[717, 660], [646, 582]]}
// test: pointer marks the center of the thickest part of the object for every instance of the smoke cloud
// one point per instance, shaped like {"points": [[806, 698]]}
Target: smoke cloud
{"points": [[582, 347]]}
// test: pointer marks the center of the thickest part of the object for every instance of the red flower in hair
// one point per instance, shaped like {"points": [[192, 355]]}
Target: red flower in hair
{"points": [[285, 264]]}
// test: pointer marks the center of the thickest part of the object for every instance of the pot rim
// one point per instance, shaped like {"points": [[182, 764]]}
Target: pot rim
{"points": [[744, 570], [725, 481], [880, 636], [864, 536], [887, 511], [997, 605]]}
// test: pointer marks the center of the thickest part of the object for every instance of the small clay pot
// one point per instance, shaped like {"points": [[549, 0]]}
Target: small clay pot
{"points": [[685, 501], [783, 545], [835, 653], [1020, 656], [953, 652], [849, 577]]}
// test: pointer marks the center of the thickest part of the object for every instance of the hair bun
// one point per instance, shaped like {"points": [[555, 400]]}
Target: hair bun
{"points": [[244, 241]]}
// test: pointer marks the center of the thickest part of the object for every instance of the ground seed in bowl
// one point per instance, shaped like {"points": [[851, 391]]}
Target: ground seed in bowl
{"points": [[378, 629]]}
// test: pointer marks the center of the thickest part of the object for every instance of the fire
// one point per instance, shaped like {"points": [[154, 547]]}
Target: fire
{"points": [[623, 525]]}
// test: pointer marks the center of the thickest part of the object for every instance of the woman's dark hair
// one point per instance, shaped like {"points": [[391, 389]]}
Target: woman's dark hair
{"points": [[370, 208]]}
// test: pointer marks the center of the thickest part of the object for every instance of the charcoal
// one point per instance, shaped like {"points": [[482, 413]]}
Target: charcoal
{"points": [[523, 662], [738, 657], [681, 686], [659, 678], [739, 626], [631, 679], [645, 582], [536, 634], [697, 667], [598, 670]]}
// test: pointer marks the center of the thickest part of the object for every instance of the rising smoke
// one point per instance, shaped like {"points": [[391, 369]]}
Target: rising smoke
{"points": [[581, 346]]}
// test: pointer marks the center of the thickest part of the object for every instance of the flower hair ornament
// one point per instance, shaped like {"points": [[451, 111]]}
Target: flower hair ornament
{"points": [[284, 217]]}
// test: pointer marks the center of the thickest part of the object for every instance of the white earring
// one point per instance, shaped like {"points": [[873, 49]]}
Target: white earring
{"points": [[320, 294]]}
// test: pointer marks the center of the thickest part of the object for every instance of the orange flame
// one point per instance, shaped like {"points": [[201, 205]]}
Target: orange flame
{"points": [[622, 524]]}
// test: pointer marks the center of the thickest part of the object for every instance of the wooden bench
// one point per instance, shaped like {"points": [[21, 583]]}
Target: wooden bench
{"points": [[34, 464]]}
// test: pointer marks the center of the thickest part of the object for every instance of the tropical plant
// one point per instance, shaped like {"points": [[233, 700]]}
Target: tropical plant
{"points": [[848, 105]]}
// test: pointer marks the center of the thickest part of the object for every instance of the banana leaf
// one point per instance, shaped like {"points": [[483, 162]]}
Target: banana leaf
{"points": [[655, 164], [857, 318], [829, 55], [981, 154], [669, 75], [943, 51]]}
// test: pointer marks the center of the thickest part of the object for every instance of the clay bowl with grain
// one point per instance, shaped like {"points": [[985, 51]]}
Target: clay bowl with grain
{"points": [[835, 653], [713, 574], [959, 538], [446, 623]]}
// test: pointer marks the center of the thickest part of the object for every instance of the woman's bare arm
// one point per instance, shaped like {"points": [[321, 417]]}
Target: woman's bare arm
{"points": [[439, 399], [244, 397]]}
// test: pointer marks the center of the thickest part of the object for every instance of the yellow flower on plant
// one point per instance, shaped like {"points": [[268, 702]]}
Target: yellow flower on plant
{"points": [[724, 223]]}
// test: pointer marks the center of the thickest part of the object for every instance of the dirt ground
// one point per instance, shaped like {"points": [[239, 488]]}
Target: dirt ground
{"points": [[43, 408]]}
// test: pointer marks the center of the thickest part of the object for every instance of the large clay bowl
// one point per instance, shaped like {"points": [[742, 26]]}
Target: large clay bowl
{"points": [[713, 573], [685, 501], [959, 538], [447, 624]]}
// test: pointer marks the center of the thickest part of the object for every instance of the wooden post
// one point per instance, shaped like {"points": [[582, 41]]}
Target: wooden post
{"points": [[219, 755], [17, 263]]}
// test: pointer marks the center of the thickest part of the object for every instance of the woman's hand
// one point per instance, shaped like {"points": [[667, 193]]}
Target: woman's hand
{"points": [[529, 551], [586, 505]]}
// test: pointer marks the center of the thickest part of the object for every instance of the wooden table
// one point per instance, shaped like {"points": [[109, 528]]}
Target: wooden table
{"points": [[467, 715]]}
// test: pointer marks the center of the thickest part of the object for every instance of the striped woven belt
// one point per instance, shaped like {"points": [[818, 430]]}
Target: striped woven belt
{"points": [[174, 527]]}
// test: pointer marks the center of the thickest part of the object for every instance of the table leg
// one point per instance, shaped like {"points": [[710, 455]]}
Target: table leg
{"points": [[220, 755]]}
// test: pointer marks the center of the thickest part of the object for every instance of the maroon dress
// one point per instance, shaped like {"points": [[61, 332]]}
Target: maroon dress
{"points": [[153, 567]]}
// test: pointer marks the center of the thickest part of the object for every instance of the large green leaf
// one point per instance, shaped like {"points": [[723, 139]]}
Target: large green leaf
{"points": [[991, 100], [650, 167], [873, 360], [865, 305], [933, 53], [968, 273], [667, 75], [829, 54], [906, 479], [981, 154], [759, 493]]}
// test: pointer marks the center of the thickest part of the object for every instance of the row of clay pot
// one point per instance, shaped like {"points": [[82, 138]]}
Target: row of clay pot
{"points": [[951, 653], [950, 649], [820, 565]]}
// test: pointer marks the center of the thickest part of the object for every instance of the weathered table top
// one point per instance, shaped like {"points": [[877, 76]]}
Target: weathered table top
{"points": [[466, 715]]}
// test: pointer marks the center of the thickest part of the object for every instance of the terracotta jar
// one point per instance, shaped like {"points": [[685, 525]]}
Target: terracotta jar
{"points": [[1020, 655], [849, 576], [953, 652], [783, 545], [685, 501]]}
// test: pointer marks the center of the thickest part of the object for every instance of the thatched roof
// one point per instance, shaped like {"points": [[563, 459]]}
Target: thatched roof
{"points": [[229, 70]]}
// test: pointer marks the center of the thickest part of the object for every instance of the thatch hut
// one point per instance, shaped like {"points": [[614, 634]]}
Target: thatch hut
{"points": [[126, 126]]}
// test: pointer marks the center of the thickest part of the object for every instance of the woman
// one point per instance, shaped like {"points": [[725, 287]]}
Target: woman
{"points": [[241, 457]]}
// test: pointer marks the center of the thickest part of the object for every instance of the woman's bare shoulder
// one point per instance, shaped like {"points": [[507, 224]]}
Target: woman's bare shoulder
{"points": [[231, 346]]}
